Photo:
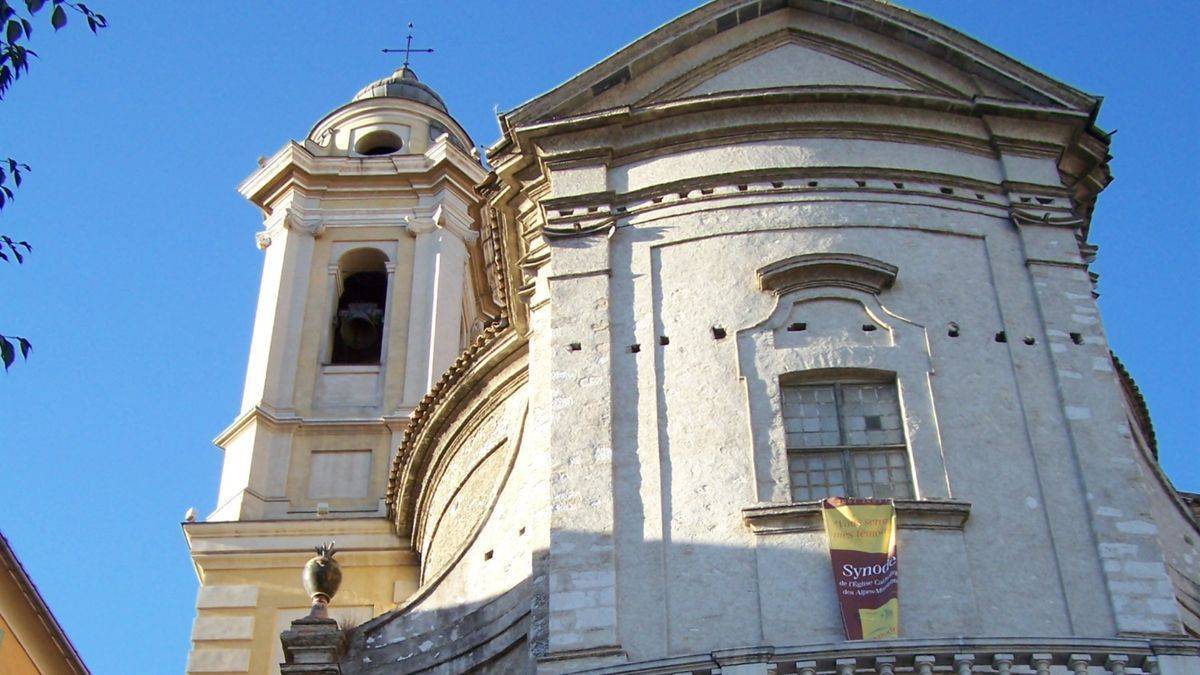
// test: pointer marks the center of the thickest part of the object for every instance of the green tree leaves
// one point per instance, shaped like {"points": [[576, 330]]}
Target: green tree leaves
{"points": [[15, 30], [8, 352]]}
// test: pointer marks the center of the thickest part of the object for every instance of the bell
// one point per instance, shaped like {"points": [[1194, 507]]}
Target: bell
{"points": [[358, 325]]}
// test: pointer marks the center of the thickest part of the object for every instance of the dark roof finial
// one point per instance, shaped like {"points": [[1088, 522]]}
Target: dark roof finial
{"points": [[408, 49]]}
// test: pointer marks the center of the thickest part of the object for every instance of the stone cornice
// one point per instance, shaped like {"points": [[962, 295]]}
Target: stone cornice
{"points": [[960, 654], [286, 544], [297, 163], [264, 414], [784, 518], [628, 115]]}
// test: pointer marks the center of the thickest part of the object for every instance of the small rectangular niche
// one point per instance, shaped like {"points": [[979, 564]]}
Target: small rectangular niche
{"points": [[339, 474], [797, 327]]}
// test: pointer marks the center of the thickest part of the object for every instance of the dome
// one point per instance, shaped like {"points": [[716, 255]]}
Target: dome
{"points": [[402, 84]]}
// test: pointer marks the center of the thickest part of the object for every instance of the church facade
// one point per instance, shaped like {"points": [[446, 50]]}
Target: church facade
{"points": [[577, 411]]}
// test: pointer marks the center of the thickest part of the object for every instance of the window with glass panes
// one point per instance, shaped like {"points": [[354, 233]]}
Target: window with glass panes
{"points": [[845, 439]]}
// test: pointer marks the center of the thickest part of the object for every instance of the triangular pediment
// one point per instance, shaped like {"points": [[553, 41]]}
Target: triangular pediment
{"points": [[792, 65], [728, 46], [791, 59]]}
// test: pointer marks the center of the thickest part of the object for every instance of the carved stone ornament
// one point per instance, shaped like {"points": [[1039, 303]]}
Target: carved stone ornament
{"points": [[417, 226], [295, 221], [827, 269], [262, 240]]}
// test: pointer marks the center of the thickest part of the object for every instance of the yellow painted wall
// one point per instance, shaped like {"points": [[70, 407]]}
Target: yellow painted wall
{"points": [[369, 582], [14, 660]]}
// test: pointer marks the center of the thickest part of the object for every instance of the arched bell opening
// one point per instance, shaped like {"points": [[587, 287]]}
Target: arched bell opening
{"points": [[361, 308]]}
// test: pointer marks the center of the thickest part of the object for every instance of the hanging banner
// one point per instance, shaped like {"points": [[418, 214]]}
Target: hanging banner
{"points": [[862, 547]]}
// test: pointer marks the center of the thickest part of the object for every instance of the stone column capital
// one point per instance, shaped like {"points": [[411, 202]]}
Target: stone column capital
{"points": [[417, 225], [295, 220]]}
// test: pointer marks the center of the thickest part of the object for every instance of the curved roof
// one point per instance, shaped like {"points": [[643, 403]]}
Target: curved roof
{"points": [[402, 84]]}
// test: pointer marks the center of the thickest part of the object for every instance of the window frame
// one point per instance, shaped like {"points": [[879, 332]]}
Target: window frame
{"points": [[843, 449]]}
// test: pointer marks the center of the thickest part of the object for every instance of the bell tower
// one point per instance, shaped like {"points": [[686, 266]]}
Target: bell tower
{"points": [[371, 286]]}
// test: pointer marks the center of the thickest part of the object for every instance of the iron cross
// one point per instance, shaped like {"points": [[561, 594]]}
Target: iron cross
{"points": [[408, 48]]}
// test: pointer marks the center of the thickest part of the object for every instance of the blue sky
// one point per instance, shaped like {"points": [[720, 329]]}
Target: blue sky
{"points": [[139, 295]]}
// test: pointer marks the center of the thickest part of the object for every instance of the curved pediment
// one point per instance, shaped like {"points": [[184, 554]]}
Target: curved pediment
{"points": [[734, 45], [812, 270]]}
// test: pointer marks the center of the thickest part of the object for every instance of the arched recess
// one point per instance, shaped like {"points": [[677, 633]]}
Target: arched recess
{"points": [[359, 318], [828, 319]]}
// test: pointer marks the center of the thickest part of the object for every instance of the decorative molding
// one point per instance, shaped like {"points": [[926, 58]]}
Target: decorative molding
{"points": [[1056, 263], [791, 35], [262, 413], [918, 33], [1025, 217], [1021, 654], [479, 354], [417, 226], [742, 655], [294, 219], [604, 651], [451, 219], [783, 518], [827, 269]]}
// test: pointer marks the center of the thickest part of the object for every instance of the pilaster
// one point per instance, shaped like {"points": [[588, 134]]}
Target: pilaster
{"points": [[438, 288], [582, 573], [279, 318], [1118, 511]]}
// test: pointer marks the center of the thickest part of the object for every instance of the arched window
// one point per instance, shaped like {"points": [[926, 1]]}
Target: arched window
{"points": [[845, 437], [362, 304]]}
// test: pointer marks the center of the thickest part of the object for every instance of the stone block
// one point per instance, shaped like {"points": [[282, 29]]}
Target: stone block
{"points": [[223, 628], [219, 661], [216, 597]]}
